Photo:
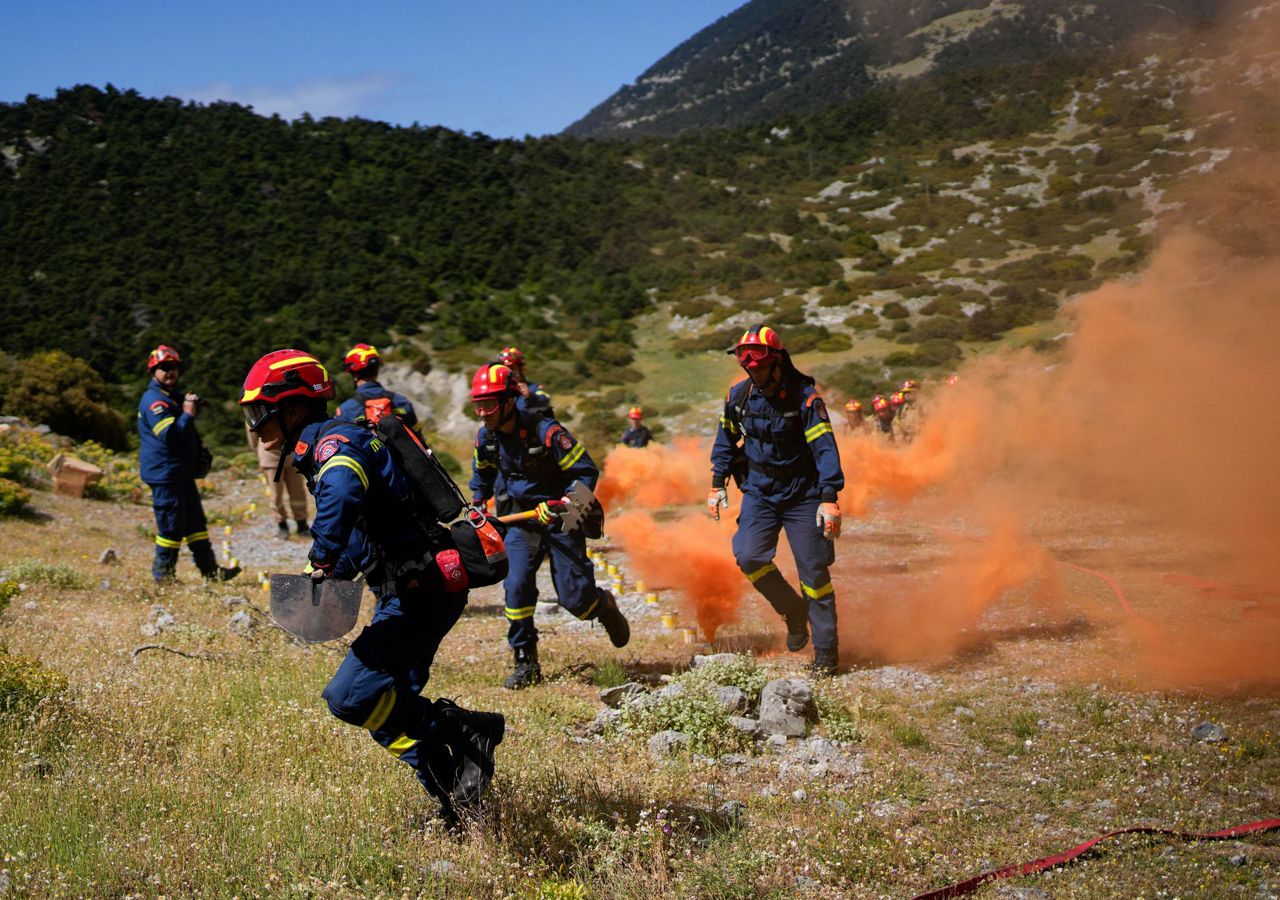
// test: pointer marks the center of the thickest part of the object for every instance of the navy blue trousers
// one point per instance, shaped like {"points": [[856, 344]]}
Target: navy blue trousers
{"points": [[180, 517], [755, 543], [377, 687], [571, 572]]}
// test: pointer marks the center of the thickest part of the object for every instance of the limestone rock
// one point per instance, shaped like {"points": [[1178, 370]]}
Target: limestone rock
{"points": [[668, 743], [786, 706]]}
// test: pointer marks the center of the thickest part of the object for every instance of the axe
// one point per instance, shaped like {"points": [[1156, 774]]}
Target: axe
{"points": [[315, 611], [579, 499]]}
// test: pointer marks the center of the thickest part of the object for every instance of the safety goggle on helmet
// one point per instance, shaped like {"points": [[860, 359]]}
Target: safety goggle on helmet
{"points": [[759, 345], [279, 375], [490, 386], [164, 357]]}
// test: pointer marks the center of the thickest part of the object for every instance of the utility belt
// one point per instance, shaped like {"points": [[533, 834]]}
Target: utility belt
{"points": [[799, 469]]}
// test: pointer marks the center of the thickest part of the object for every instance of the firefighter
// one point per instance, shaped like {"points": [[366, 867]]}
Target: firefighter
{"points": [[883, 412], [637, 433], [775, 437], [907, 419], [290, 481], [530, 461], [371, 400], [531, 397], [364, 523], [854, 420], [170, 458]]}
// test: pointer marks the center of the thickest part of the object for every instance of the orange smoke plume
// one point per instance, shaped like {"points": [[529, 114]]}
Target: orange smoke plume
{"points": [[691, 555], [655, 476]]}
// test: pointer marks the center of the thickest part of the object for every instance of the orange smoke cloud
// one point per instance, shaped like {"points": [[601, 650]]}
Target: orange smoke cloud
{"points": [[691, 555], [655, 476]]}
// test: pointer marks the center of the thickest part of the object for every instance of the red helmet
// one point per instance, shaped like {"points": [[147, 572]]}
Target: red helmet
{"points": [[491, 382], [359, 358], [759, 344], [511, 357], [898, 399], [636, 413], [953, 379], [281, 374], [854, 406], [909, 385], [163, 354], [878, 403]]}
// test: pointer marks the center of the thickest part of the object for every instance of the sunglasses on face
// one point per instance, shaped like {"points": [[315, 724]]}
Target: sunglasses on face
{"points": [[485, 407], [169, 367]]}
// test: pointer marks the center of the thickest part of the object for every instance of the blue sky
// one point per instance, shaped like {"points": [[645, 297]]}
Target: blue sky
{"points": [[506, 69]]}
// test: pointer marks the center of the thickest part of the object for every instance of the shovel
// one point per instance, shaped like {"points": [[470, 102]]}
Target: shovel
{"points": [[580, 500], [315, 611]]}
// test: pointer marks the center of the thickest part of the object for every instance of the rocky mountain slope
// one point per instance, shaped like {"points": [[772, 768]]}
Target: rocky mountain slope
{"points": [[774, 57]]}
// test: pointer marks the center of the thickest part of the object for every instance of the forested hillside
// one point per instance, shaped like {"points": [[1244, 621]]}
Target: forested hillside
{"points": [[885, 232]]}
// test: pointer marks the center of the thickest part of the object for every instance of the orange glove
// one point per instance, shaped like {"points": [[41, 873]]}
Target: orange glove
{"points": [[828, 520]]}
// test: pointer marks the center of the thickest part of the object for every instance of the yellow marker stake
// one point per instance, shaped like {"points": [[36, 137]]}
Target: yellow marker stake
{"points": [[226, 529], [651, 599], [611, 569], [669, 620], [640, 586]]}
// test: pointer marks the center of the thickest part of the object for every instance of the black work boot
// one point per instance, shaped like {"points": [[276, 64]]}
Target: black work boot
{"points": [[282, 530], [224, 573], [797, 630], [474, 735], [304, 530], [614, 622], [527, 671], [826, 663]]}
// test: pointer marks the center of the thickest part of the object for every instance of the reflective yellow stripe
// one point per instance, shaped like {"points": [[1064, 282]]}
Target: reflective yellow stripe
{"points": [[165, 542], [574, 455], [378, 717], [521, 612], [198, 536], [817, 431], [161, 426], [345, 462], [401, 744], [728, 425], [759, 573], [280, 364], [817, 593], [592, 608], [481, 463], [398, 410]]}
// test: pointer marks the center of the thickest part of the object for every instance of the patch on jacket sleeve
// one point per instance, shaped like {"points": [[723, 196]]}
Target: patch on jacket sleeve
{"points": [[820, 408], [326, 448], [565, 442], [159, 406]]}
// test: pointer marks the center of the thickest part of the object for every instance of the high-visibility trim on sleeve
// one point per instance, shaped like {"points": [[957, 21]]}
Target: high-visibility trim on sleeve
{"points": [[817, 593], [520, 612], [160, 426], [381, 710], [729, 425], [401, 745], [759, 573], [167, 542], [817, 431], [345, 462], [572, 457], [481, 463]]}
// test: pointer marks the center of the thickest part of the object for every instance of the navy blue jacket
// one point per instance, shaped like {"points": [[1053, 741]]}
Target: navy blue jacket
{"points": [[353, 408], [170, 444], [362, 498], [538, 401], [537, 461], [787, 438], [640, 436]]}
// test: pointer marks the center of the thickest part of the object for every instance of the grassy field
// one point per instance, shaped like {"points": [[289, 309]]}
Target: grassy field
{"points": [[221, 773]]}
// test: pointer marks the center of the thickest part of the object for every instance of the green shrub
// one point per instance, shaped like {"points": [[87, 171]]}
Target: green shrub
{"points": [[894, 310], [69, 396], [863, 321], [696, 712], [742, 672], [8, 590], [25, 682], [834, 344], [840, 722], [609, 673], [58, 575], [120, 478], [13, 497], [21, 452]]}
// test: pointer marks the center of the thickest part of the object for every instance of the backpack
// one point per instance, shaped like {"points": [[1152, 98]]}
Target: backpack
{"points": [[376, 409], [439, 502]]}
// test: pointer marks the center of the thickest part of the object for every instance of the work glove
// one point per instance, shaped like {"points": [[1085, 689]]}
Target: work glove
{"points": [[828, 520], [318, 571], [717, 500], [548, 510]]}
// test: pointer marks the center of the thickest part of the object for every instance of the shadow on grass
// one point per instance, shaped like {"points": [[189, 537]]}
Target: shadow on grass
{"points": [[981, 644], [568, 820]]}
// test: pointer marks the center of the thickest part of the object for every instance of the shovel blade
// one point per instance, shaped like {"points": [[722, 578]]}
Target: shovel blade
{"points": [[580, 500], [314, 612]]}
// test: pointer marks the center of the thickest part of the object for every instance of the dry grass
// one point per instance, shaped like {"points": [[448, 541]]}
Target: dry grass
{"points": [[226, 776]]}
